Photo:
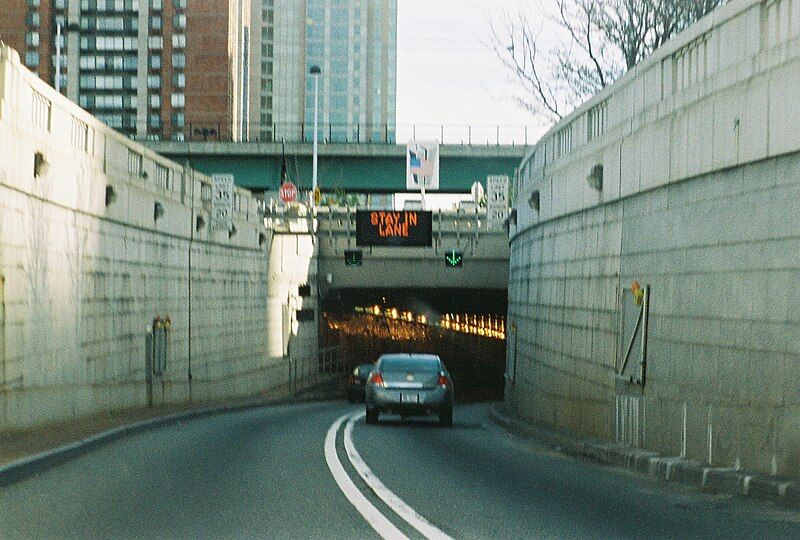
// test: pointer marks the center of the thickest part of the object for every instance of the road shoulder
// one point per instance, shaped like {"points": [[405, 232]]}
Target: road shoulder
{"points": [[783, 490], [29, 452]]}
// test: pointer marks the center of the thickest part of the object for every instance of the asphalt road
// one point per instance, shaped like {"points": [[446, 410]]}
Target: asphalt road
{"points": [[263, 473]]}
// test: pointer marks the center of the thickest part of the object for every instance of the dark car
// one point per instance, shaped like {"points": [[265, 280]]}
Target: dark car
{"points": [[357, 381], [409, 385]]}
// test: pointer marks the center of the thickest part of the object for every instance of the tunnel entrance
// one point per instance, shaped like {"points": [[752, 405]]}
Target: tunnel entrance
{"points": [[466, 328]]}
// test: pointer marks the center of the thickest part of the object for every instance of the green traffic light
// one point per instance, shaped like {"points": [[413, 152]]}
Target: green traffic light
{"points": [[353, 257], [454, 259]]}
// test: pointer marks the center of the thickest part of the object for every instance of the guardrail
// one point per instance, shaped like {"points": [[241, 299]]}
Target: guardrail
{"points": [[336, 133], [342, 219], [328, 362]]}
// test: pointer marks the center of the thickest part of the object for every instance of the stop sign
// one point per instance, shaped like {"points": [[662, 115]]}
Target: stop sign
{"points": [[288, 192]]}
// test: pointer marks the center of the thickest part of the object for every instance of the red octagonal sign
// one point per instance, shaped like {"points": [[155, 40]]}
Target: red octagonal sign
{"points": [[288, 192]]}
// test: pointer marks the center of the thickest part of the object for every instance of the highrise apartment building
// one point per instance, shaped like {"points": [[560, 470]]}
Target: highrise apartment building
{"points": [[353, 42], [153, 69]]}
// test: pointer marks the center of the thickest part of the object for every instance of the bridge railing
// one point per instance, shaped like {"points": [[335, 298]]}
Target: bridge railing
{"points": [[355, 133], [462, 223]]}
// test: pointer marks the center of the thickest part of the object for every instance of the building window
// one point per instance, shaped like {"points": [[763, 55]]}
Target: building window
{"points": [[155, 42], [178, 60], [179, 80], [179, 4], [32, 39], [155, 61], [155, 22], [155, 101], [32, 59], [33, 3], [111, 120], [154, 81], [177, 100], [178, 119], [62, 41], [179, 21], [32, 18], [155, 4], [178, 41], [154, 120], [60, 4]]}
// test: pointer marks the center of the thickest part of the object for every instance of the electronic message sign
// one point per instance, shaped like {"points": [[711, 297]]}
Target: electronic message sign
{"points": [[403, 228]]}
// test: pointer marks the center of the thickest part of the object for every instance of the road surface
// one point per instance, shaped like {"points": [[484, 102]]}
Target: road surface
{"points": [[268, 472]]}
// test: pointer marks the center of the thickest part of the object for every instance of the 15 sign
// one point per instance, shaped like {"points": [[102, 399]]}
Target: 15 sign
{"points": [[403, 228]]}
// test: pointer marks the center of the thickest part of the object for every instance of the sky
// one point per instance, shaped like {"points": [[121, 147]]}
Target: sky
{"points": [[448, 73]]}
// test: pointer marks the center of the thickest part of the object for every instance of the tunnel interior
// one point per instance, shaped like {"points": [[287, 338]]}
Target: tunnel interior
{"points": [[465, 327]]}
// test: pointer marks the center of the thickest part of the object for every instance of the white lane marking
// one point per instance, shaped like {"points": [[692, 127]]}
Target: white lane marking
{"points": [[394, 502], [377, 521]]}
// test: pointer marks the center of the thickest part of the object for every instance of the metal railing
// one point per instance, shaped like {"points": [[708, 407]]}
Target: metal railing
{"points": [[312, 370], [333, 133]]}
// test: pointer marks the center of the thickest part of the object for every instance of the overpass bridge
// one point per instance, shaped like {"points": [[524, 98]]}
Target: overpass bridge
{"points": [[332, 233], [350, 167]]}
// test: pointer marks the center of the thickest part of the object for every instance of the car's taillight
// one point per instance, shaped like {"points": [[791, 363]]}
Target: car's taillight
{"points": [[376, 378], [443, 380]]}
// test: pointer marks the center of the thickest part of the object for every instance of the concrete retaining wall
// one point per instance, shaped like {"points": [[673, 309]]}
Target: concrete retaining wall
{"points": [[84, 270], [699, 200]]}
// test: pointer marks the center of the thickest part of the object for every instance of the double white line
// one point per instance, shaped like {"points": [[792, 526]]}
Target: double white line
{"points": [[374, 517]]}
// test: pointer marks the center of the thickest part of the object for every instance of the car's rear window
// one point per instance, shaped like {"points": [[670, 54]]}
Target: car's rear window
{"points": [[391, 363], [364, 369]]}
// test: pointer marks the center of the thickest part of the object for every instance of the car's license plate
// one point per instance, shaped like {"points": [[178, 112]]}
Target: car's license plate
{"points": [[409, 398]]}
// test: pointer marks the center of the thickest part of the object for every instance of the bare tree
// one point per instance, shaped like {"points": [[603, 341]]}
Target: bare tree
{"points": [[598, 41]]}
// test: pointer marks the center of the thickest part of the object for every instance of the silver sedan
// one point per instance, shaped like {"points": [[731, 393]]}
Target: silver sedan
{"points": [[410, 384]]}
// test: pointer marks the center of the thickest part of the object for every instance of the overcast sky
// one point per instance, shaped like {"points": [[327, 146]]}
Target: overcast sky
{"points": [[447, 72]]}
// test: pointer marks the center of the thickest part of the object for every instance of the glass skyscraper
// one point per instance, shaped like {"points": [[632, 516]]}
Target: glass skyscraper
{"points": [[354, 43]]}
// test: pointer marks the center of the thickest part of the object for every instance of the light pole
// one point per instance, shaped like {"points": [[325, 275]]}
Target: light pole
{"points": [[315, 71], [58, 58]]}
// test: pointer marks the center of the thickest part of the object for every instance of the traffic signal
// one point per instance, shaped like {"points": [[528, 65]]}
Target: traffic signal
{"points": [[454, 259], [353, 257]]}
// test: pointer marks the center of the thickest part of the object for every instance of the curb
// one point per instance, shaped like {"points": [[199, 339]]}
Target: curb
{"points": [[26, 467], [728, 481]]}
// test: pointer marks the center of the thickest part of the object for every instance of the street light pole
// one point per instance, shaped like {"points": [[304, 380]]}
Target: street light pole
{"points": [[315, 71], [58, 58]]}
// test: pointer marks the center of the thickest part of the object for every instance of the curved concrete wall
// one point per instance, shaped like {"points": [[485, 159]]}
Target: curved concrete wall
{"points": [[700, 180], [80, 280]]}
